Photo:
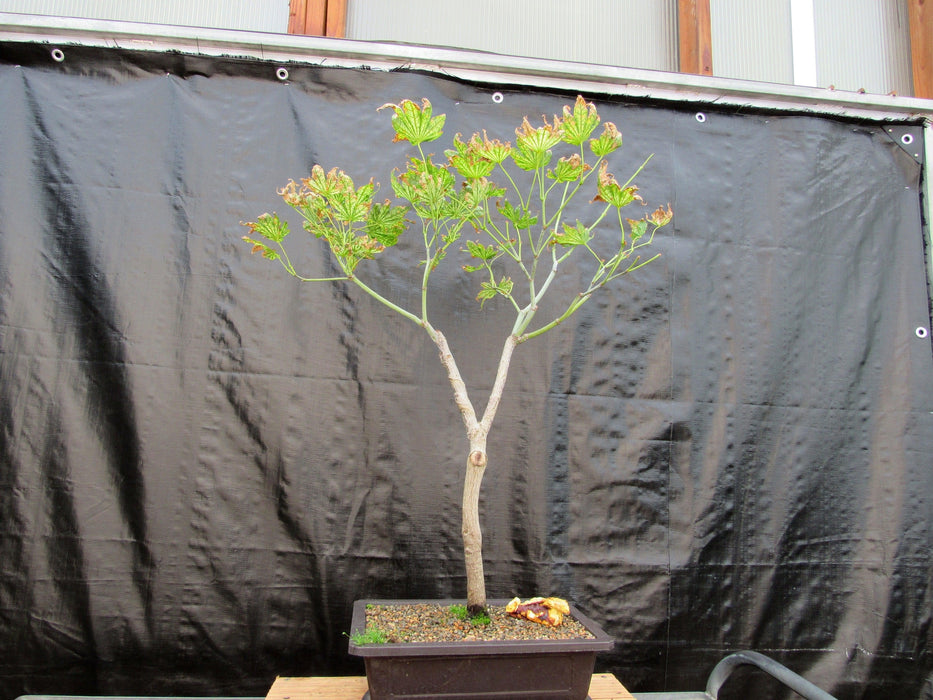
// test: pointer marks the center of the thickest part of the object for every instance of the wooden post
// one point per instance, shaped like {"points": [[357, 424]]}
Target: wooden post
{"points": [[920, 13], [317, 17], [693, 29], [337, 18]]}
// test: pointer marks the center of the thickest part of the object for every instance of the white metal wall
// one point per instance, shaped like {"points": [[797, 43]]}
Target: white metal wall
{"points": [[863, 44], [847, 44], [254, 15], [752, 40], [631, 33]]}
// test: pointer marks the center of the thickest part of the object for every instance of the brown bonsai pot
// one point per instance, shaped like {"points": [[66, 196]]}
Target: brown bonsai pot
{"points": [[536, 669]]}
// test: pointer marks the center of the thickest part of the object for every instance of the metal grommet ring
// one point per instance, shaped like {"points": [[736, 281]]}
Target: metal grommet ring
{"points": [[58, 55], [922, 332], [700, 117], [282, 74], [907, 139], [497, 97]]}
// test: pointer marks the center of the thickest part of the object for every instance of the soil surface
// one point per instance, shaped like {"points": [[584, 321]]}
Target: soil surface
{"points": [[437, 623]]}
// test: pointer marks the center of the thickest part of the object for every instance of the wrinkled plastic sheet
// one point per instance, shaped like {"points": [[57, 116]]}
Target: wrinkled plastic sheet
{"points": [[204, 462]]}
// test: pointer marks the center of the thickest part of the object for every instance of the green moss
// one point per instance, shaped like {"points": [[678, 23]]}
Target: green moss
{"points": [[372, 635], [480, 620], [461, 613]]}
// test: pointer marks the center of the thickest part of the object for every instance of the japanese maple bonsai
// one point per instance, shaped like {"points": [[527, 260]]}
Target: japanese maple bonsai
{"points": [[514, 231]]}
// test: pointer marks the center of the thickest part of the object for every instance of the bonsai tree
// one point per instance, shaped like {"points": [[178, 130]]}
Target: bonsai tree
{"points": [[514, 229]]}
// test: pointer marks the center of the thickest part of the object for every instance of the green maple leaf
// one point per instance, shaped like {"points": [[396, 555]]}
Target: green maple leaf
{"points": [[416, 124], [580, 123], [488, 290], [386, 223], [520, 218], [606, 142], [573, 236], [568, 169], [483, 252]]}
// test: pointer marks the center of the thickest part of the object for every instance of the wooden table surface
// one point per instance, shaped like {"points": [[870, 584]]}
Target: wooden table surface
{"points": [[604, 686]]}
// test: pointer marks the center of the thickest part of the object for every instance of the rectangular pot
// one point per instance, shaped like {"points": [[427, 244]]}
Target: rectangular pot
{"points": [[543, 669]]}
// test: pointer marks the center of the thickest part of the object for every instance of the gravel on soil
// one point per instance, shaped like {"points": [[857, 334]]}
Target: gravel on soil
{"points": [[437, 623]]}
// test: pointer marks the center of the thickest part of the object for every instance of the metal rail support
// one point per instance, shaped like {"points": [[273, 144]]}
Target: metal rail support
{"points": [[724, 669], [795, 682]]}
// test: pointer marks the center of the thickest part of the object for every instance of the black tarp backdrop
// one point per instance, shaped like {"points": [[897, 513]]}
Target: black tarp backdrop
{"points": [[204, 462]]}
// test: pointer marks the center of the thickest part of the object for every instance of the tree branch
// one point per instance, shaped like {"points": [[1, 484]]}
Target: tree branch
{"points": [[499, 386], [461, 397]]}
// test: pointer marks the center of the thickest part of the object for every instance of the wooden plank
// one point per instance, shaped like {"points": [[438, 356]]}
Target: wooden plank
{"points": [[336, 18], [920, 13], [318, 688], [307, 17], [604, 686], [317, 17], [695, 37]]}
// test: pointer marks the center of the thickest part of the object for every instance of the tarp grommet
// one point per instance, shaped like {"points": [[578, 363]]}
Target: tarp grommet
{"points": [[497, 97], [282, 73], [58, 55], [922, 332]]}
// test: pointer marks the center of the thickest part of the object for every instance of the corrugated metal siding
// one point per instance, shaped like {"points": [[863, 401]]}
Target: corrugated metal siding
{"points": [[255, 15], [860, 44], [630, 33], [752, 40], [863, 44]]}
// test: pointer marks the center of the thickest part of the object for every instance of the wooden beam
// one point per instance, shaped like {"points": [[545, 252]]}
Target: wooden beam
{"points": [[603, 686], [693, 30], [920, 13], [337, 18], [317, 17], [307, 17]]}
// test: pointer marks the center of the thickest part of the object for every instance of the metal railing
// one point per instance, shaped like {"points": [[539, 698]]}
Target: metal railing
{"points": [[721, 672]]}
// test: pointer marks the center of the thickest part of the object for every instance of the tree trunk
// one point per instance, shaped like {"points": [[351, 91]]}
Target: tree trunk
{"points": [[477, 430], [472, 534]]}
